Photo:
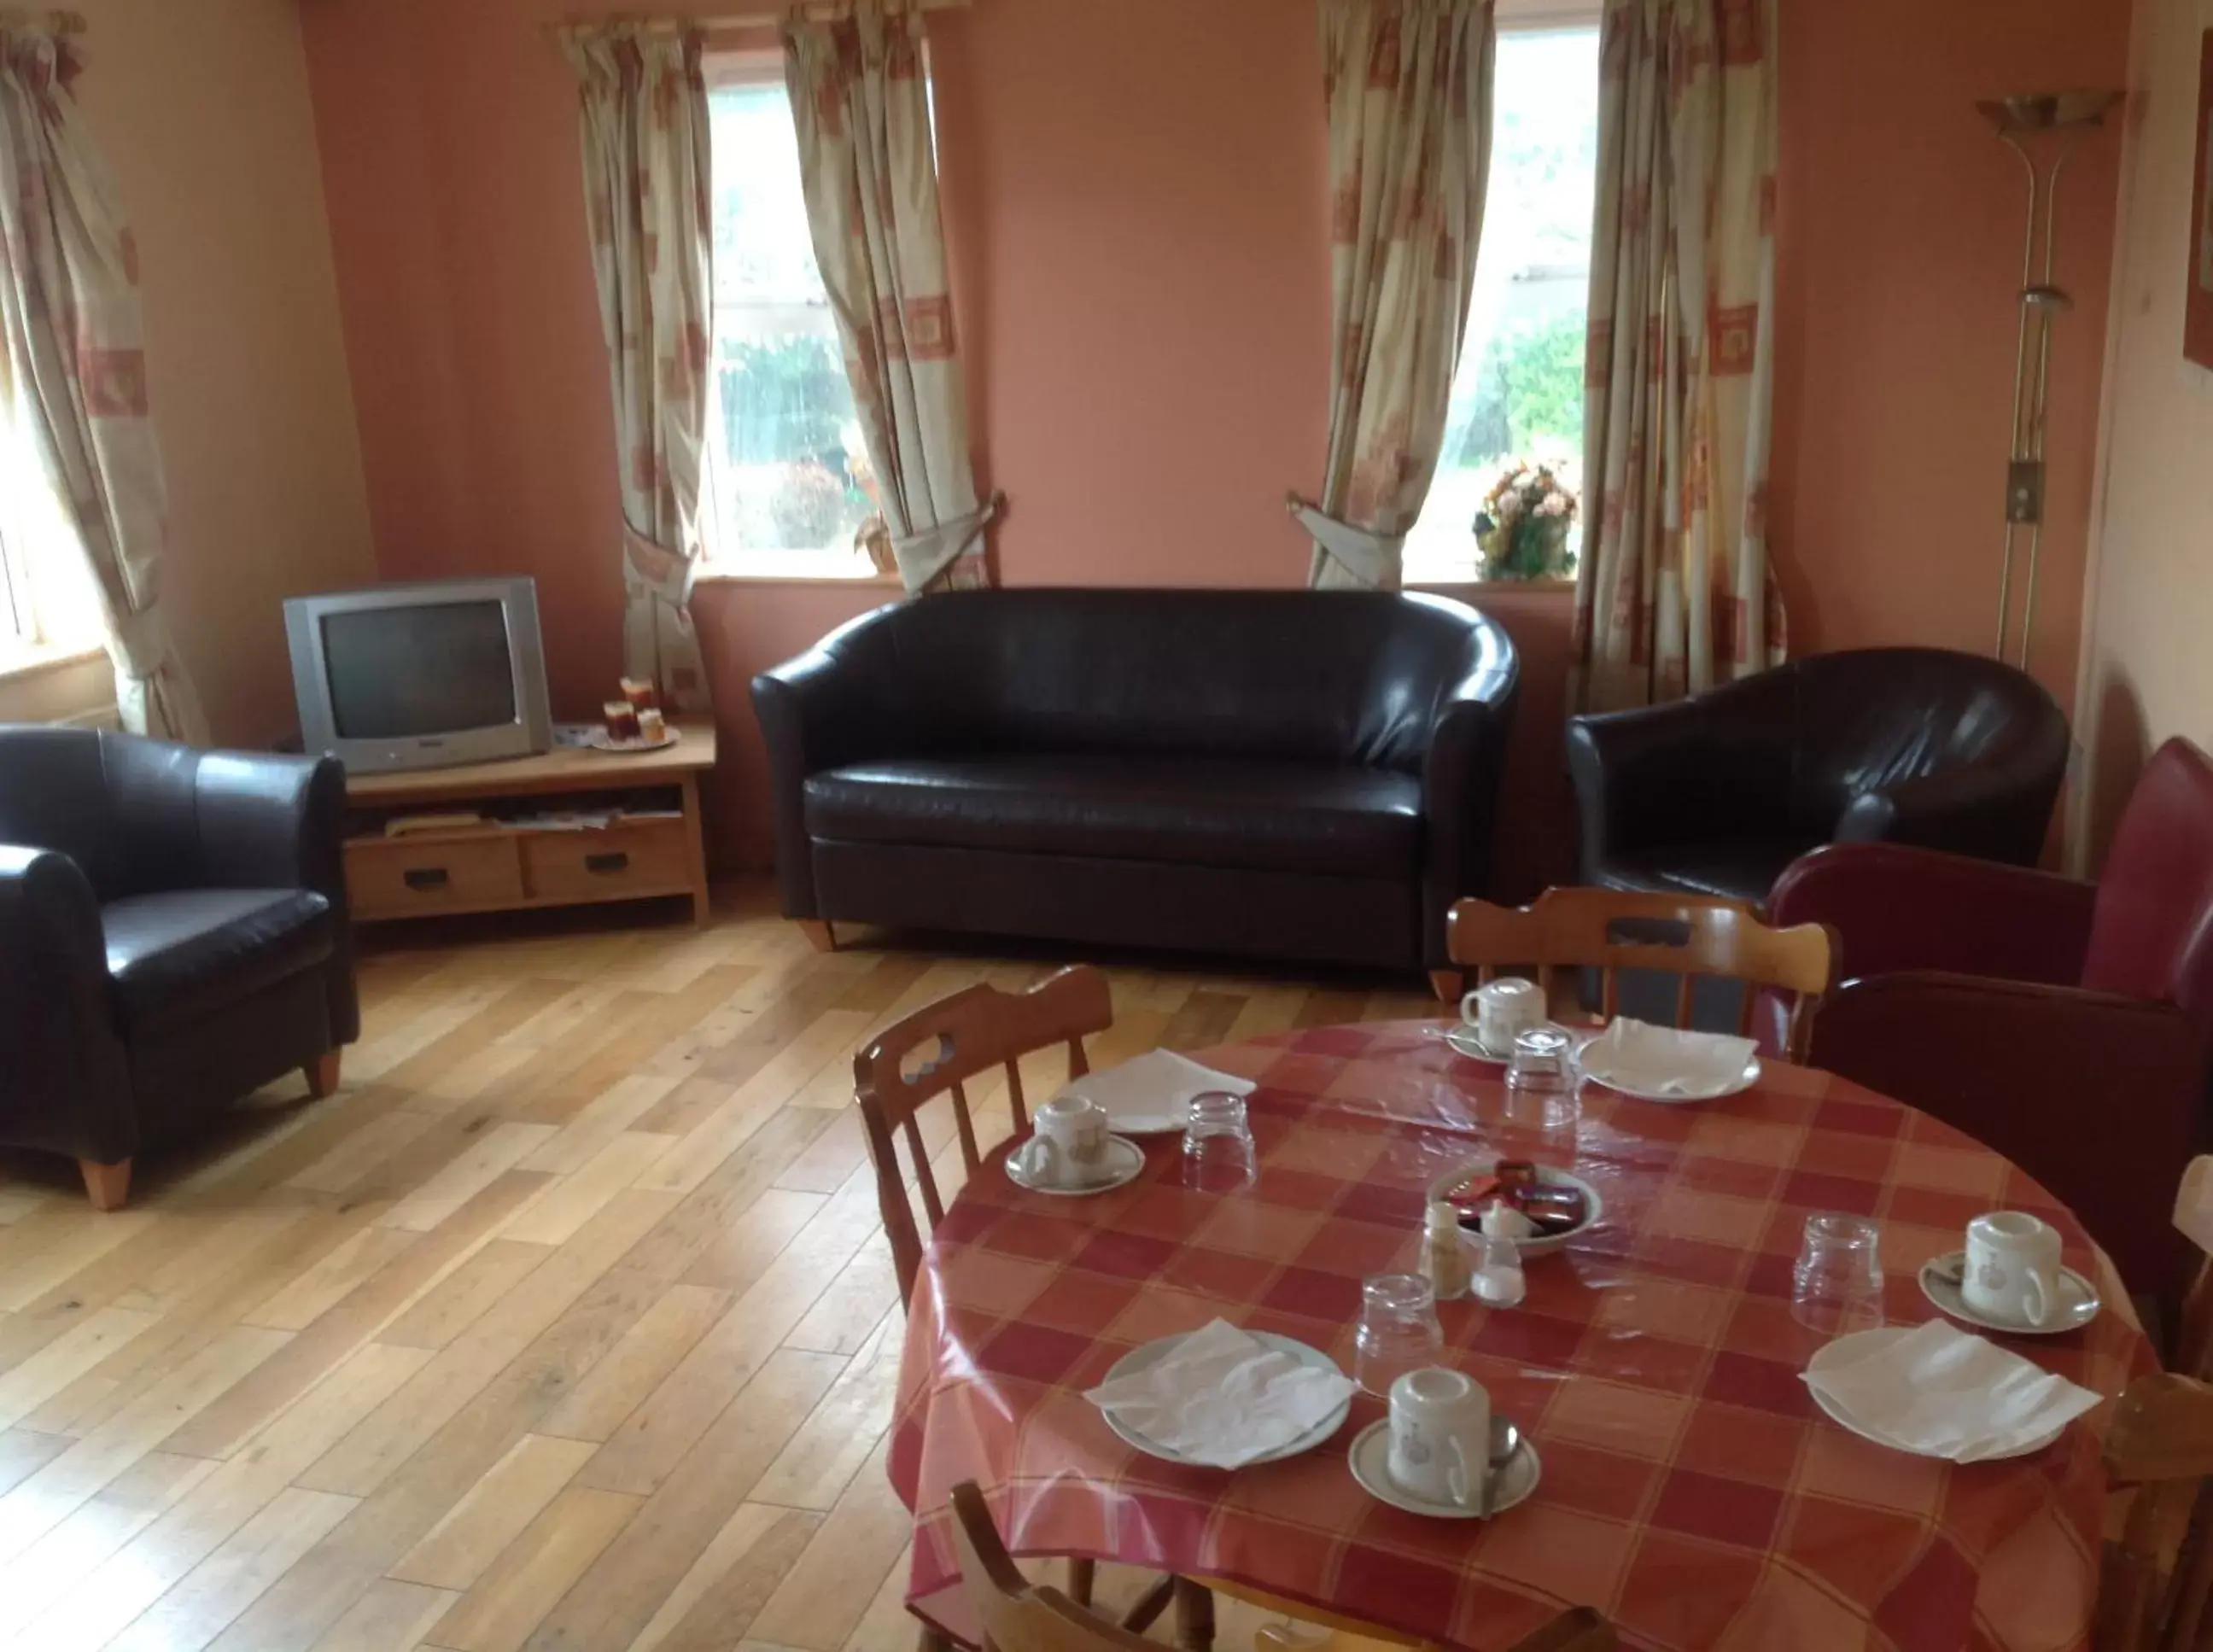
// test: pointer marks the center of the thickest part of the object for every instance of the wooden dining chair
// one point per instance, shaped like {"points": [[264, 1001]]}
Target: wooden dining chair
{"points": [[1018, 1616], [1687, 936], [2190, 1349], [935, 1051], [2156, 1585]]}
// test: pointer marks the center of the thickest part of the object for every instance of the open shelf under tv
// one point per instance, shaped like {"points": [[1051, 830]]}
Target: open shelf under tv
{"points": [[643, 842]]}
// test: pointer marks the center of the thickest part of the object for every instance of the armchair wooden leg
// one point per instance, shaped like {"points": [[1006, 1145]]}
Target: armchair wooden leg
{"points": [[1081, 1574], [1194, 1616], [819, 934], [322, 1073], [106, 1185], [1448, 984]]}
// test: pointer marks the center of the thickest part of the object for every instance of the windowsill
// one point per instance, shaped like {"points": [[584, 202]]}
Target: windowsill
{"points": [[1435, 580], [39, 661], [870, 580]]}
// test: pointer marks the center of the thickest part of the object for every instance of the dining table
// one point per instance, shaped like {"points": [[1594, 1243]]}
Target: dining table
{"points": [[1690, 1489]]}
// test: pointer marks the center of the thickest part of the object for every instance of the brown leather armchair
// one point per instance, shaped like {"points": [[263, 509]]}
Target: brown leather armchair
{"points": [[1717, 794], [172, 936], [2067, 1025]]}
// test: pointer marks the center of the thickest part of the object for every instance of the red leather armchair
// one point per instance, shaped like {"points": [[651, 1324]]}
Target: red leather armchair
{"points": [[2067, 1025]]}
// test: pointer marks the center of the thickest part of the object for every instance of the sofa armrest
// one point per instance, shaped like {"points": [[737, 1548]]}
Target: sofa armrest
{"points": [[1461, 776], [1898, 908], [1716, 765], [65, 1084], [1988, 810], [2094, 1095]]}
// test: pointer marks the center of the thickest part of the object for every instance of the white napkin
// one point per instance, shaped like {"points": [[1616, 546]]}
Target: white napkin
{"points": [[1665, 1060], [1223, 1398], [1938, 1391], [1152, 1092]]}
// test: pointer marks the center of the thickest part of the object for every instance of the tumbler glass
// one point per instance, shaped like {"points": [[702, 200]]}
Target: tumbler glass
{"points": [[1541, 1078], [1218, 1144], [1398, 1331], [1837, 1286]]}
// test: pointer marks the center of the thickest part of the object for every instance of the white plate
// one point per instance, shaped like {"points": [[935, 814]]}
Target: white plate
{"points": [[1588, 1064], [2078, 1301], [1594, 1206], [1126, 1162], [1371, 1457], [600, 741], [1862, 1344], [1149, 1354]]}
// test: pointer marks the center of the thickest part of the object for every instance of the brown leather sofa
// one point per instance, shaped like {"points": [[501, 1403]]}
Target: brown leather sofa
{"points": [[1281, 774], [172, 936], [1717, 794]]}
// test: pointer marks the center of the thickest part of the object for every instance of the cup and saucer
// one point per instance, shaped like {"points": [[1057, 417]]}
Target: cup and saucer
{"points": [[1493, 1015], [1442, 1452], [2009, 1279], [1072, 1154]]}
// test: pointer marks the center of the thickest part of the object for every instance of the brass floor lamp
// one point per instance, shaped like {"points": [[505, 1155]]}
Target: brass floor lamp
{"points": [[2022, 122]]}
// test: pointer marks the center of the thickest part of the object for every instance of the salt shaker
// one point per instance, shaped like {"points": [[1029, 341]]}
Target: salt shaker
{"points": [[1444, 1252]]}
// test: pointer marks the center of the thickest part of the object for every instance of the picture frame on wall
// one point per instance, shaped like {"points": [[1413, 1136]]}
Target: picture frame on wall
{"points": [[2198, 305]]}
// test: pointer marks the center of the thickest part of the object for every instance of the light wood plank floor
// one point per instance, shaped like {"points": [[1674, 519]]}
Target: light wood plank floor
{"points": [[567, 1323]]}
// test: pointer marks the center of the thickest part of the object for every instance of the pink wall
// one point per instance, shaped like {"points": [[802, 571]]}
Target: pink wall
{"points": [[1134, 196]]}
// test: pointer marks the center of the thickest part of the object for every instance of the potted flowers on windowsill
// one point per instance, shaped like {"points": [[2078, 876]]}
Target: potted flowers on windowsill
{"points": [[1525, 529]]}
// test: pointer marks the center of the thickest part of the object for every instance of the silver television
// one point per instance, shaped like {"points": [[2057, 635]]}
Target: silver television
{"points": [[420, 676]]}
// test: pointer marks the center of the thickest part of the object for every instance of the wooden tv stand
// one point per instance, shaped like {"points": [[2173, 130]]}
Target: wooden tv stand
{"points": [[654, 849]]}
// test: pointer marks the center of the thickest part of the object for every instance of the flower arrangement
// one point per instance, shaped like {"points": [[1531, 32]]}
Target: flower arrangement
{"points": [[1523, 528]]}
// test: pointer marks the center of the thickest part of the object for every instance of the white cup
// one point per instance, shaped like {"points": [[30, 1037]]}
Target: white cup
{"points": [[2013, 1268], [1070, 1145], [1440, 1435], [1500, 1009]]}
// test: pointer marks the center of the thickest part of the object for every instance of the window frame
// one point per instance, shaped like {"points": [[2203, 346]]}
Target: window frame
{"points": [[1515, 17], [743, 64]]}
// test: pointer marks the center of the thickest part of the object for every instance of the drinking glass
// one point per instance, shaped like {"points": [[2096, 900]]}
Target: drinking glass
{"points": [[1398, 1331], [1837, 1286], [1541, 1078], [1218, 1144]]}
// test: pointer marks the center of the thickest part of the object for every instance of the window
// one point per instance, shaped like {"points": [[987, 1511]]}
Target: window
{"points": [[1518, 392], [48, 606], [788, 476]]}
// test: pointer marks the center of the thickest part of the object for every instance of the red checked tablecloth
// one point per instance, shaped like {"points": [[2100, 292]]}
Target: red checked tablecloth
{"points": [[1691, 1489]]}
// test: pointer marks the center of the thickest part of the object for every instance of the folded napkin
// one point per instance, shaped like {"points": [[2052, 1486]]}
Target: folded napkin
{"points": [[1222, 1398], [1664, 1060], [1154, 1091], [1938, 1392]]}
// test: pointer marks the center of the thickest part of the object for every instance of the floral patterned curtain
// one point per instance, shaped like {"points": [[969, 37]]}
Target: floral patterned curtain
{"points": [[1674, 592], [73, 366], [1408, 85], [860, 102], [644, 101]]}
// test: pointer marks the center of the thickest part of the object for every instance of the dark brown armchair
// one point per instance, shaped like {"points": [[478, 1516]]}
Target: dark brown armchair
{"points": [[1717, 794], [172, 935]]}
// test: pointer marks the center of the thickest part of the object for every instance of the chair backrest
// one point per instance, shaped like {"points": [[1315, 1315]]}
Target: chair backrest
{"points": [[935, 1051], [1685, 936], [1018, 1616], [2190, 1351], [2151, 935], [2157, 1583]]}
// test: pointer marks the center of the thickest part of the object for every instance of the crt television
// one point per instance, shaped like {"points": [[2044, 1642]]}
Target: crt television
{"points": [[420, 676]]}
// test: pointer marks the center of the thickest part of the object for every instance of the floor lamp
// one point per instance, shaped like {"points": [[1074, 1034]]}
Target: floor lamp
{"points": [[2018, 120]]}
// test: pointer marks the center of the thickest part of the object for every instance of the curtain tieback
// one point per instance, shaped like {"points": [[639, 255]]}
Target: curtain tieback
{"points": [[666, 573], [1372, 559], [139, 642], [924, 555]]}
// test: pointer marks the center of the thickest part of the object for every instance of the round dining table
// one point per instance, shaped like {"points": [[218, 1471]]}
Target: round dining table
{"points": [[1690, 1488]]}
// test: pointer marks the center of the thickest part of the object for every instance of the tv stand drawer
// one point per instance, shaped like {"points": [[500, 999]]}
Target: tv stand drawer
{"points": [[620, 863], [397, 879]]}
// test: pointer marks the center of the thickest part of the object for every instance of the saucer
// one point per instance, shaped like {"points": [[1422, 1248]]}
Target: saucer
{"points": [[1466, 1041], [1371, 1457], [2078, 1300], [1126, 1162]]}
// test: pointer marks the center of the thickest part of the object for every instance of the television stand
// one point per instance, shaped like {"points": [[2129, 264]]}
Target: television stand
{"points": [[640, 838]]}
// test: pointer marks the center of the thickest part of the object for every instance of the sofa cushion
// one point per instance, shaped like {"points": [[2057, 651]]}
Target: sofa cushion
{"points": [[188, 951], [1354, 822], [1736, 869]]}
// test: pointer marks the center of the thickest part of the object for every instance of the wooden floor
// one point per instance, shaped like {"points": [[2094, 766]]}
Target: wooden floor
{"points": [[566, 1323]]}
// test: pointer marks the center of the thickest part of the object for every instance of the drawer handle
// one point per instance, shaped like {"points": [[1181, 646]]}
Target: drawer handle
{"points": [[615, 861], [426, 877]]}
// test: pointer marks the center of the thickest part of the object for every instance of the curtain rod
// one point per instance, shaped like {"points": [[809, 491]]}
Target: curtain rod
{"points": [[62, 22], [758, 18]]}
